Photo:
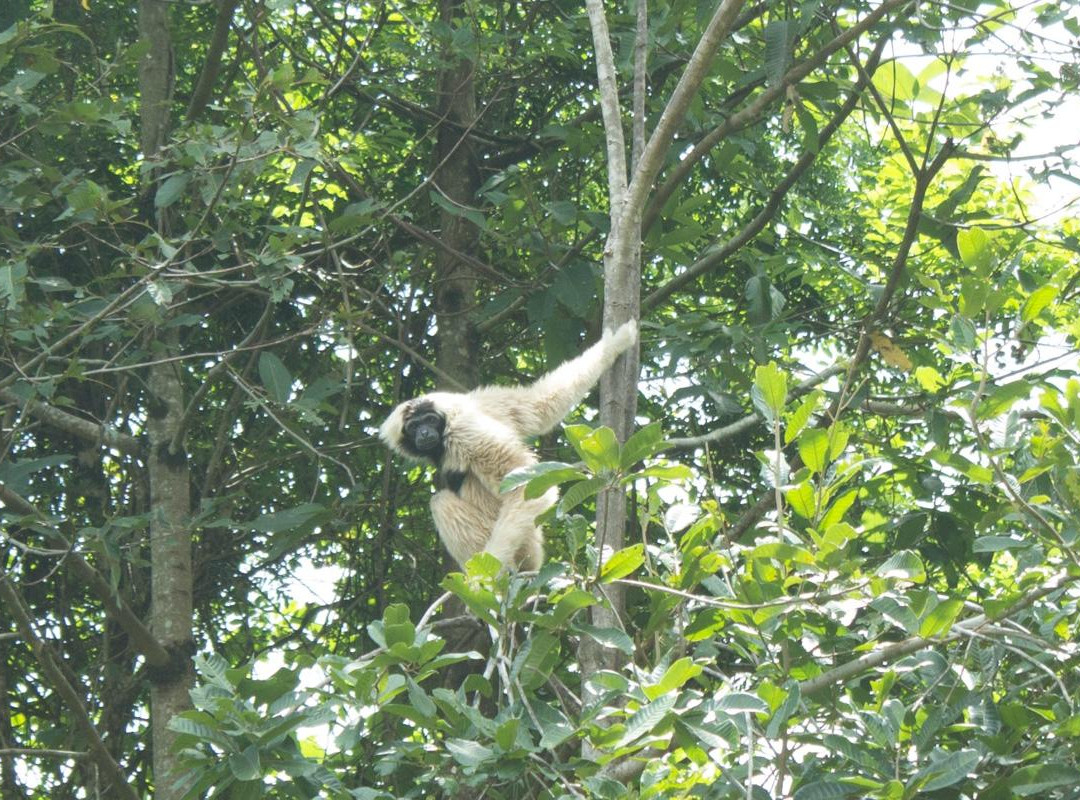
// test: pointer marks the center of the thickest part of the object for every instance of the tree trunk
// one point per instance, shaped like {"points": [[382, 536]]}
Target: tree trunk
{"points": [[456, 179], [169, 473], [170, 567]]}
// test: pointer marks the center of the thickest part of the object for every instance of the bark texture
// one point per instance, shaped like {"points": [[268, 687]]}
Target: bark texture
{"points": [[456, 179], [170, 480]]}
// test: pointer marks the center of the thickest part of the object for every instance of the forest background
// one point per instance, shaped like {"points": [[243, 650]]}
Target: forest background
{"points": [[821, 540]]}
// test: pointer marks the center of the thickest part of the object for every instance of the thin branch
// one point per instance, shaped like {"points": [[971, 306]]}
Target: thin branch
{"points": [[960, 629], [73, 704], [922, 182], [607, 83], [756, 109], [142, 639], [76, 426], [751, 421], [219, 40], [641, 52], [717, 256], [304, 443], [923, 179], [656, 149], [208, 380]]}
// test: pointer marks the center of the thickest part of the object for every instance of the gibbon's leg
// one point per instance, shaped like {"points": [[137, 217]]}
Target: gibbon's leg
{"points": [[463, 526], [516, 540], [536, 409]]}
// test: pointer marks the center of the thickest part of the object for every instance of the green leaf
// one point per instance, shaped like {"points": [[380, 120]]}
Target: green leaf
{"points": [[555, 728], [814, 449], [187, 722], [995, 544], [480, 601], [666, 472], [12, 281], [171, 190], [962, 332], [539, 477], [823, 790], [536, 659], [599, 449], [622, 563], [419, 700], [797, 419], [1000, 399], [1036, 302], [641, 445], [1036, 780], [802, 499], [612, 638], [674, 676], [838, 440], [941, 618], [896, 612], [246, 766], [457, 210], [287, 520], [567, 605], [506, 734], [468, 753], [929, 379], [779, 37], [742, 703], [975, 249], [903, 564], [792, 698], [895, 81], [782, 552], [579, 493], [769, 392], [275, 377], [951, 769], [647, 718], [397, 628]]}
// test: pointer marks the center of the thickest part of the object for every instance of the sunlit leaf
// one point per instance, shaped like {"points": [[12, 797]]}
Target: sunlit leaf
{"points": [[622, 563]]}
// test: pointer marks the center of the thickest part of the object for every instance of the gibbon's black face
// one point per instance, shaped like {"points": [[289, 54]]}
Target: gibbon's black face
{"points": [[422, 434]]}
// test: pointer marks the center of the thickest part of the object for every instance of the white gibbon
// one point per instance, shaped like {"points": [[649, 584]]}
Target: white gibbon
{"points": [[475, 438]]}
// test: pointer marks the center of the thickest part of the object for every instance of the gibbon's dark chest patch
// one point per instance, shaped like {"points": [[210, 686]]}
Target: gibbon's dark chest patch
{"points": [[450, 479]]}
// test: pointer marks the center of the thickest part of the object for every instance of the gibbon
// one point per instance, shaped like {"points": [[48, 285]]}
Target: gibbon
{"points": [[475, 438]]}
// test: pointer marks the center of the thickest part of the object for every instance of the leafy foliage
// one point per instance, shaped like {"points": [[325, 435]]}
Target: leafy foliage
{"points": [[853, 559]]}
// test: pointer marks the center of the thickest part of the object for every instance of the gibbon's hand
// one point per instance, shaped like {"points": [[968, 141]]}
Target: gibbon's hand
{"points": [[623, 336]]}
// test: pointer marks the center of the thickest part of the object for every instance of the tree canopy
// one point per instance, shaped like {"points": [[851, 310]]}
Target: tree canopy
{"points": [[841, 476]]}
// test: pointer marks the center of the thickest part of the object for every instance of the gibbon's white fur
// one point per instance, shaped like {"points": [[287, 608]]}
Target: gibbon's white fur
{"points": [[475, 439]]}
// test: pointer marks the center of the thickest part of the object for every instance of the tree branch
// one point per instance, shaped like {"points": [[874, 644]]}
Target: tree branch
{"points": [[13, 602], [762, 218], [141, 638], [750, 421], [891, 652], [607, 83], [754, 111], [76, 426], [652, 159], [204, 87]]}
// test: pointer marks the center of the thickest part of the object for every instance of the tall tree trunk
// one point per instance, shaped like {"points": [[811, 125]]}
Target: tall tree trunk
{"points": [[170, 480], [628, 193], [457, 178]]}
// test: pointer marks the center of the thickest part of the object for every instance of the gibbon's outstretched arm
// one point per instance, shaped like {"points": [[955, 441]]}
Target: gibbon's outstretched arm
{"points": [[475, 439], [536, 409]]}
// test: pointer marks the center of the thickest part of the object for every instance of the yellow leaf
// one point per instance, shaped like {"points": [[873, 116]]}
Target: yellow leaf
{"points": [[893, 355], [85, 4], [929, 379]]}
